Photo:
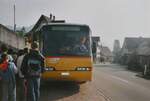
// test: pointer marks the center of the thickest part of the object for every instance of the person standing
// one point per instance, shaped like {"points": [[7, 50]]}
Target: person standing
{"points": [[3, 50], [21, 80], [32, 67], [7, 72], [12, 53]]}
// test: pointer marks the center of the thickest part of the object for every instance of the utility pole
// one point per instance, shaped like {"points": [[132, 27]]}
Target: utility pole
{"points": [[14, 18], [15, 24]]}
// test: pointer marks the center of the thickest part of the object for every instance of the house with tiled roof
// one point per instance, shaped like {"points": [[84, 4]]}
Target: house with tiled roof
{"points": [[106, 54], [42, 20], [138, 46]]}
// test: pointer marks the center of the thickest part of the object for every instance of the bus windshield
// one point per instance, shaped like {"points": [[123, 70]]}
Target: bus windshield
{"points": [[66, 41]]}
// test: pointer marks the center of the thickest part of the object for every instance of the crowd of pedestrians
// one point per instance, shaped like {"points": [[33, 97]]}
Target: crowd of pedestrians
{"points": [[20, 73]]}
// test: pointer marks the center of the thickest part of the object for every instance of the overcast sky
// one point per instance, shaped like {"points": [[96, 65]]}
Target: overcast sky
{"points": [[109, 19]]}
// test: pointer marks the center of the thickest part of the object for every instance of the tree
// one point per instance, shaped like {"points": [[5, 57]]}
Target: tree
{"points": [[22, 31]]}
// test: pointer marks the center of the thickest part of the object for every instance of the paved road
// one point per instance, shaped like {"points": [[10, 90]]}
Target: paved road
{"points": [[119, 84], [69, 91], [110, 83]]}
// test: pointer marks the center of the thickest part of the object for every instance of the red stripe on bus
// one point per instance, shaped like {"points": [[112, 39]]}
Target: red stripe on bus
{"points": [[68, 57]]}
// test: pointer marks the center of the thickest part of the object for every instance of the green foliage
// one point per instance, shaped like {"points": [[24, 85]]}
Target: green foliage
{"points": [[21, 32]]}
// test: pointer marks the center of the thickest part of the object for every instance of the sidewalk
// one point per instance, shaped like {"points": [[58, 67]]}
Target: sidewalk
{"points": [[0, 90]]}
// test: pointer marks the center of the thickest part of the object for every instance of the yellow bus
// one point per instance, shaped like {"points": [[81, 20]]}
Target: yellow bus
{"points": [[67, 51]]}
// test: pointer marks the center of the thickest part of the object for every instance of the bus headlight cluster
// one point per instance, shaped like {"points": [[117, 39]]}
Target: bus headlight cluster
{"points": [[83, 69], [49, 68]]}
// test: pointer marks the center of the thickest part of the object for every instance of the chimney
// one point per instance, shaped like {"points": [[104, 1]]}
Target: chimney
{"points": [[53, 18], [50, 16]]}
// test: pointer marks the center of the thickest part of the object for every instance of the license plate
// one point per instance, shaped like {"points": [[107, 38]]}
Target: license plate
{"points": [[65, 74]]}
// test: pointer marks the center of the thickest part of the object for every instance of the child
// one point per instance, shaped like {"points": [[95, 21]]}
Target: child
{"points": [[7, 72]]}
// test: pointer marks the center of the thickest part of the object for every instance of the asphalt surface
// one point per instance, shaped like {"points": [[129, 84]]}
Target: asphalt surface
{"points": [[119, 84], [110, 83], [70, 91]]}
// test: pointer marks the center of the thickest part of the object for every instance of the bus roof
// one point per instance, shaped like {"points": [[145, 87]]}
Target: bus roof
{"points": [[65, 24], [62, 24]]}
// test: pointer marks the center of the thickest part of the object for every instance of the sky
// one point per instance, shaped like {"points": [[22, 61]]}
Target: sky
{"points": [[109, 19]]}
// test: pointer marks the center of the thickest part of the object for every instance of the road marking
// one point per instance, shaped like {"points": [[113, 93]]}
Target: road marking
{"points": [[123, 80], [107, 98]]}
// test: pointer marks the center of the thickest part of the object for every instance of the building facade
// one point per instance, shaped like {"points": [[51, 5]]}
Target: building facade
{"points": [[135, 53], [10, 38], [95, 48]]}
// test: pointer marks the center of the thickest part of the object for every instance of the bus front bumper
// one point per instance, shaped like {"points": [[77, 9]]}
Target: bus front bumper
{"points": [[77, 76]]}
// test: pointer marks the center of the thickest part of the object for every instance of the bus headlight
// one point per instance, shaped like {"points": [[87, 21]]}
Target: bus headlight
{"points": [[49, 69], [83, 69]]}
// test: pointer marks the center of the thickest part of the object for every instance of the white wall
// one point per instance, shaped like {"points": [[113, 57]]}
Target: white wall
{"points": [[11, 39]]}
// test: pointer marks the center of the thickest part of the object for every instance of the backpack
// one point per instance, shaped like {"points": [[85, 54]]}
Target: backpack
{"points": [[5, 74], [4, 66], [4, 69], [34, 67], [9, 75]]}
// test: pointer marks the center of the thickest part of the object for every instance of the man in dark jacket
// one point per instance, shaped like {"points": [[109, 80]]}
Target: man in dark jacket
{"points": [[32, 67]]}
